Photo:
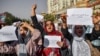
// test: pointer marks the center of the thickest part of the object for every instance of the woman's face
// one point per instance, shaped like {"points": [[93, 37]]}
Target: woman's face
{"points": [[22, 31], [49, 26], [78, 30]]}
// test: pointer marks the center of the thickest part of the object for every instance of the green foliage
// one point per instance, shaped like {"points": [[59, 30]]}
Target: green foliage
{"points": [[10, 18], [8, 21], [49, 17]]}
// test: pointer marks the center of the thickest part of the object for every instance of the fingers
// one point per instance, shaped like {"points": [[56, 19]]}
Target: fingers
{"points": [[60, 43], [34, 7]]}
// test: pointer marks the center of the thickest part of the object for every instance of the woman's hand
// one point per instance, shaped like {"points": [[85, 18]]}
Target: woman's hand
{"points": [[40, 42], [60, 43], [33, 13], [34, 7]]}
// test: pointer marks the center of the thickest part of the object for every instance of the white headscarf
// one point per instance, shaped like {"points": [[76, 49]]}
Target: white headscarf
{"points": [[79, 46]]}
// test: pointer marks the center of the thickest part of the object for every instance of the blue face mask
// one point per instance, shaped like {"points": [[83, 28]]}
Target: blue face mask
{"points": [[96, 42]]}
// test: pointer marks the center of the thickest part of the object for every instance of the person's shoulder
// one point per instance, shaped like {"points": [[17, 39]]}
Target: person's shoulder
{"points": [[36, 34], [36, 31]]}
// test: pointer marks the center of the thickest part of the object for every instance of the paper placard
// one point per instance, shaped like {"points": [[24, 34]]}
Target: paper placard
{"points": [[7, 33], [51, 41], [39, 17], [79, 16]]}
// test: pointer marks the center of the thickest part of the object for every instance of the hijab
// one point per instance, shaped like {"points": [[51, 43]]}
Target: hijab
{"points": [[79, 46], [22, 41], [53, 32]]}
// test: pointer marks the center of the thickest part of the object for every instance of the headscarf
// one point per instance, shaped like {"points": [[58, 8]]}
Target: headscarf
{"points": [[54, 32], [79, 46], [22, 41], [25, 39]]}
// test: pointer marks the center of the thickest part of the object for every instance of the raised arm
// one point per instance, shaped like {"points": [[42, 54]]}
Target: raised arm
{"points": [[66, 33], [28, 26], [64, 27], [96, 30], [34, 19], [33, 13]]}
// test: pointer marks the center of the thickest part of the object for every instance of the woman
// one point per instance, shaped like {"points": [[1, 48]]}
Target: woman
{"points": [[48, 29], [28, 40], [79, 45]]}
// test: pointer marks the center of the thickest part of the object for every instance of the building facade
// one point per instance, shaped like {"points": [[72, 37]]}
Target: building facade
{"points": [[96, 5], [60, 6], [55, 6]]}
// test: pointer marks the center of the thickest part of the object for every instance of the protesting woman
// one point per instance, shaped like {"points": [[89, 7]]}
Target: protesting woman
{"points": [[28, 40], [48, 29]]}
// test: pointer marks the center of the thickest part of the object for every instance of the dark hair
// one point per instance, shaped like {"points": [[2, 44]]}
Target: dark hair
{"points": [[50, 21]]}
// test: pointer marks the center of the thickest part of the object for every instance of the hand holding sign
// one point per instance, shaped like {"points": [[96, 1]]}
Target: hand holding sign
{"points": [[51, 41]]}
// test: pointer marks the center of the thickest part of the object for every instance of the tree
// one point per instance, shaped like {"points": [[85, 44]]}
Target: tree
{"points": [[10, 18], [49, 17]]}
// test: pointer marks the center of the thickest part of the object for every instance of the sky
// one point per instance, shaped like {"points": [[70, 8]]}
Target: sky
{"points": [[22, 8]]}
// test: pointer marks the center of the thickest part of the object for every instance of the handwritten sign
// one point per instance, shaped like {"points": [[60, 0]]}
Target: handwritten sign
{"points": [[7, 33], [79, 16], [51, 41]]}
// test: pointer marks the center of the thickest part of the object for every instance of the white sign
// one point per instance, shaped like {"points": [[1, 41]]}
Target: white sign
{"points": [[51, 41], [39, 17], [7, 33], [79, 16]]}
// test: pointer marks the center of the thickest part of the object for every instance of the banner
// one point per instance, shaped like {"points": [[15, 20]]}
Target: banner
{"points": [[39, 17], [7, 33], [51, 41], [79, 16]]}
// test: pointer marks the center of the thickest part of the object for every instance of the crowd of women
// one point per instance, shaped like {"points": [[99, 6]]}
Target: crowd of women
{"points": [[31, 39]]}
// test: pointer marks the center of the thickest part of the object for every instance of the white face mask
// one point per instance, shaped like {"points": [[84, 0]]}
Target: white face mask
{"points": [[22, 50]]}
